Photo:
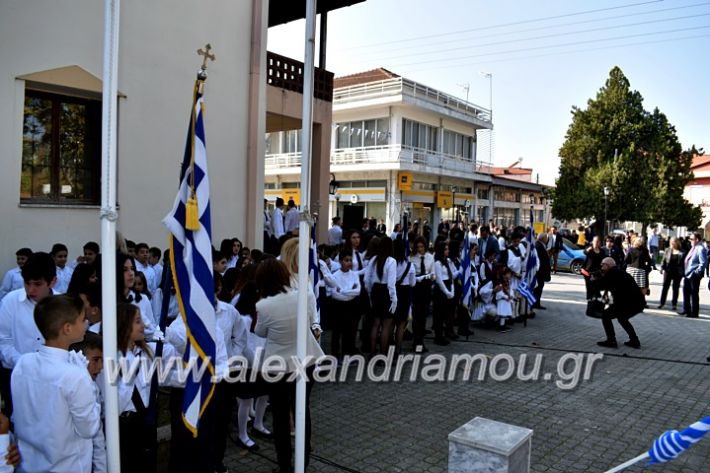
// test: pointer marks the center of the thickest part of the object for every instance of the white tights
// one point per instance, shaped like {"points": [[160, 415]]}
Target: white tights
{"points": [[245, 406]]}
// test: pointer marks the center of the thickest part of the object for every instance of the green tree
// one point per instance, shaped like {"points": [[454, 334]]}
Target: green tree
{"points": [[616, 143]]}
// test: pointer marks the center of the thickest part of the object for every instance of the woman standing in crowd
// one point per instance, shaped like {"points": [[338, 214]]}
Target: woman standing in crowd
{"points": [[638, 263], [672, 268], [125, 279], [444, 274], [405, 284], [380, 279], [423, 263], [592, 264], [277, 323]]}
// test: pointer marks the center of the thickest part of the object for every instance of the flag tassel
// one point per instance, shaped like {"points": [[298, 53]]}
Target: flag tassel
{"points": [[192, 220]]}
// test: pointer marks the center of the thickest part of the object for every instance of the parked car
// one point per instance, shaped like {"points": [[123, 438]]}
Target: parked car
{"points": [[571, 257]]}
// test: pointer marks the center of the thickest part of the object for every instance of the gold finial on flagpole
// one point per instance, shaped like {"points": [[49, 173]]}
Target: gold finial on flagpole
{"points": [[206, 56]]}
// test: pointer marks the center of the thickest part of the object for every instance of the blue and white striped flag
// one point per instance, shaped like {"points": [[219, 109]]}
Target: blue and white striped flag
{"points": [[466, 294], [405, 235], [527, 286], [672, 443], [314, 270], [191, 265]]}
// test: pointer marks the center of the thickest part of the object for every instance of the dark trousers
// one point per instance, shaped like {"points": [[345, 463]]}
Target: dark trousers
{"points": [[609, 315], [282, 397], [554, 255], [592, 290], [442, 311], [5, 391], [190, 454], [667, 280], [344, 322], [421, 298], [224, 399], [537, 292], [691, 295], [138, 444]]}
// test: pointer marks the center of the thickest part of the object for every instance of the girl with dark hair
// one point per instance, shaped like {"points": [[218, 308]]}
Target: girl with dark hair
{"points": [[125, 279], [137, 436], [405, 281], [83, 275], [277, 323], [423, 263], [445, 273], [140, 285], [353, 246], [380, 280], [231, 247]]}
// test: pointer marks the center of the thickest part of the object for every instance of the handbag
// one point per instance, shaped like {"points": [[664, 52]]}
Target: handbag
{"points": [[595, 308]]}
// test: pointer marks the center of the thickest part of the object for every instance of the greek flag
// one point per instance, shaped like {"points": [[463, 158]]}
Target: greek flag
{"points": [[314, 270], [466, 294], [527, 286], [405, 236], [672, 443], [191, 266]]}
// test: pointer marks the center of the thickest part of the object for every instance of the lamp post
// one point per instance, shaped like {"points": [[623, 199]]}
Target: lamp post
{"points": [[532, 207], [333, 190], [453, 203], [606, 209], [489, 76]]}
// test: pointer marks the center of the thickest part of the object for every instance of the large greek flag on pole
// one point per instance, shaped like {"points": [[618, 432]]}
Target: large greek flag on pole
{"points": [[466, 294], [314, 269], [191, 263], [672, 443], [527, 286]]}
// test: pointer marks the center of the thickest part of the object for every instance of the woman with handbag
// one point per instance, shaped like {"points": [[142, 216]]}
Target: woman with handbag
{"points": [[638, 264], [592, 264], [672, 268]]}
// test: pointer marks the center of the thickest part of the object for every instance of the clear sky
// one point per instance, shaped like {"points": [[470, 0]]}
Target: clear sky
{"points": [[545, 57]]}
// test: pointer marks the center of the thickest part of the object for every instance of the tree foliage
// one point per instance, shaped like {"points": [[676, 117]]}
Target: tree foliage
{"points": [[616, 143]]}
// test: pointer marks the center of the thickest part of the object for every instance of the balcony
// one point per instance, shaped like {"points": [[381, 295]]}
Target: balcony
{"points": [[405, 87], [384, 157], [286, 73]]}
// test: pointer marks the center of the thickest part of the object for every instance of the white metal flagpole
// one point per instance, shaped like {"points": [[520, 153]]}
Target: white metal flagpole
{"points": [[108, 217], [304, 230]]}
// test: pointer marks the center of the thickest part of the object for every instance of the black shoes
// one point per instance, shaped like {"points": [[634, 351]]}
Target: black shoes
{"points": [[691, 316], [661, 306], [633, 344], [252, 448], [531, 315], [261, 434], [608, 344], [539, 307], [441, 341]]}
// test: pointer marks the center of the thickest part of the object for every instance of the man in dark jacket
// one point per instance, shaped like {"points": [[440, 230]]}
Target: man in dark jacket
{"points": [[543, 272], [626, 302]]}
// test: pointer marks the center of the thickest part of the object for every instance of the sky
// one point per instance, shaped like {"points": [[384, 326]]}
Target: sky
{"points": [[544, 57]]}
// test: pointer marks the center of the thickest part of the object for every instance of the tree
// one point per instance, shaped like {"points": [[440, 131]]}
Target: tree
{"points": [[616, 143]]}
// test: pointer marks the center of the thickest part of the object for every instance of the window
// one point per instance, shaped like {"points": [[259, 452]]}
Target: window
{"points": [[61, 149], [362, 133], [458, 145], [419, 135]]}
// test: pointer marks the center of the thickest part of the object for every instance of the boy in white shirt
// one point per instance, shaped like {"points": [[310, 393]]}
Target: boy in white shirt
{"points": [[60, 253], [56, 415], [13, 277], [345, 311]]}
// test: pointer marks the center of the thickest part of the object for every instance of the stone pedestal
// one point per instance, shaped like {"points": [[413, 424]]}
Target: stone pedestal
{"points": [[487, 446]]}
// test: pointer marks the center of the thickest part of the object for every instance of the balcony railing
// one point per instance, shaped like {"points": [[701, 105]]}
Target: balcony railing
{"points": [[287, 73], [389, 154], [402, 86]]}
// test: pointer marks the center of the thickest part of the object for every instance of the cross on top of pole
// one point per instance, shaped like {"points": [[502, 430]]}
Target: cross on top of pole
{"points": [[207, 56]]}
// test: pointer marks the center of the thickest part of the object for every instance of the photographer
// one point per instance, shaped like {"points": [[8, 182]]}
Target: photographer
{"points": [[626, 301]]}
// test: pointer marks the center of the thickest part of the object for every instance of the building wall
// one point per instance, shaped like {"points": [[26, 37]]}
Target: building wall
{"points": [[157, 65]]}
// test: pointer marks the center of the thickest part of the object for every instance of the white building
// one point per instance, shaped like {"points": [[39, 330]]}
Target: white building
{"points": [[387, 129]]}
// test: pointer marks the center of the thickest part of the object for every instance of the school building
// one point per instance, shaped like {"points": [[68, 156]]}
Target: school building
{"points": [[400, 146], [50, 115]]}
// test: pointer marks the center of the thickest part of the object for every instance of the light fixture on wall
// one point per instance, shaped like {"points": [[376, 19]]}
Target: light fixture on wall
{"points": [[333, 185]]}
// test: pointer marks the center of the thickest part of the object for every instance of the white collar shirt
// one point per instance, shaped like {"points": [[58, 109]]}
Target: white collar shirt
{"points": [[11, 282], [149, 274], [389, 276], [56, 413], [409, 279], [233, 328], [277, 223], [291, 220], [347, 286], [335, 235], [428, 260], [18, 332], [63, 279]]}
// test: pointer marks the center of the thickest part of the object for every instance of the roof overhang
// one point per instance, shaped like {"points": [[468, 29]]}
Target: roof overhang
{"points": [[285, 11]]}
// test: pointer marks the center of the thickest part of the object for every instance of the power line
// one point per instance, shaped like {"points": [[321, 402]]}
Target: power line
{"points": [[552, 35], [547, 27], [559, 53], [501, 25], [573, 43]]}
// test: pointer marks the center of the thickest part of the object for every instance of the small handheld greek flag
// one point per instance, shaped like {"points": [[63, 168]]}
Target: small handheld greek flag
{"points": [[672, 443], [467, 292], [527, 286], [314, 270], [191, 266]]}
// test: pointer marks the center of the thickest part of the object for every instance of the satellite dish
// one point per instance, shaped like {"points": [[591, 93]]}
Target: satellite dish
{"points": [[353, 198]]}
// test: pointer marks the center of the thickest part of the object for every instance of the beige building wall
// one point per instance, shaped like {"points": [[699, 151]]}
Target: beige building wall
{"points": [[157, 66]]}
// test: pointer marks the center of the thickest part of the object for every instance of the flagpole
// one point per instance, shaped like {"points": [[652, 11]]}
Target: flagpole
{"points": [[304, 229], [624, 466], [109, 215]]}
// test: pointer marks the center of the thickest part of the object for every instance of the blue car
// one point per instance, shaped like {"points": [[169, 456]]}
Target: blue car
{"points": [[571, 257]]}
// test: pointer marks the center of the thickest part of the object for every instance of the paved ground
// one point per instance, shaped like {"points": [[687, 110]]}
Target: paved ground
{"points": [[633, 396]]}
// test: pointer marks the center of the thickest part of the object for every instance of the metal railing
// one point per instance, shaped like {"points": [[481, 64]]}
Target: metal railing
{"points": [[402, 86], [287, 73], [388, 154]]}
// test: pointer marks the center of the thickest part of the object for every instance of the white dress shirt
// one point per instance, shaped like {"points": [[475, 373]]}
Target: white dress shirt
{"points": [[291, 220], [156, 304], [141, 382], [56, 415], [152, 331], [277, 223], [63, 279], [277, 323], [416, 260], [176, 343], [149, 274], [267, 223], [18, 332], [410, 279], [233, 328], [11, 282], [347, 286], [335, 235], [389, 277], [441, 275]]}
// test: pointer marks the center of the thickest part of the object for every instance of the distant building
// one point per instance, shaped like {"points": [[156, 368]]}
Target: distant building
{"points": [[698, 190], [398, 145]]}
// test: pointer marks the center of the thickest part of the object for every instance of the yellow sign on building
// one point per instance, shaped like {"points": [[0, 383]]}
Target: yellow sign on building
{"points": [[404, 181], [444, 200], [539, 227], [294, 194]]}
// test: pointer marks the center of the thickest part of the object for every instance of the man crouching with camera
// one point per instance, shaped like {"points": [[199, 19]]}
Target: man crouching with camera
{"points": [[626, 301]]}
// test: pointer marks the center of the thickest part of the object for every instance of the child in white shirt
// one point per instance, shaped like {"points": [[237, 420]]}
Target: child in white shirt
{"points": [[504, 302]]}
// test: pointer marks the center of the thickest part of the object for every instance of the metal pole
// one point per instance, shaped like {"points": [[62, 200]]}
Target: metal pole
{"points": [[304, 230], [108, 217], [606, 221]]}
